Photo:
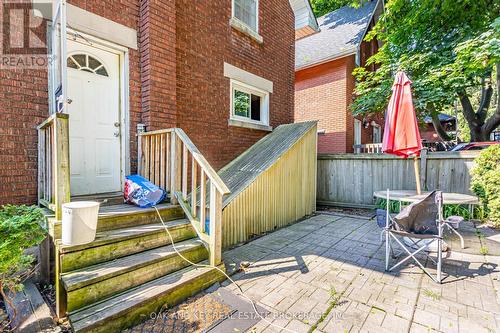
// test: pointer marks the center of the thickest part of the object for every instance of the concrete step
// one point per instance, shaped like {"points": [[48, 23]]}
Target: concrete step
{"points": [[125, 215], [133, 306], [95, 283], [117, 243]]}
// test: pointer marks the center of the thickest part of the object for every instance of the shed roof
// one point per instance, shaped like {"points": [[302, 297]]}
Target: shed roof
{"points": [[243, 170]]}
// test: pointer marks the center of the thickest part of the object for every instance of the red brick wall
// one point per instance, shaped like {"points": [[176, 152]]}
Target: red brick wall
{"points": [[158, 63], [23, 105], [176, 79], [325, 93], [205, 40], [321, 94]]}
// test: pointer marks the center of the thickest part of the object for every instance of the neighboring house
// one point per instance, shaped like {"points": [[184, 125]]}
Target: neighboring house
{"points": [[324, 84], [154, 63], [428, 133]]}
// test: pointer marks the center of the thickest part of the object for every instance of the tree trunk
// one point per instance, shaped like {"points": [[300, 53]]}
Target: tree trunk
{"points": [[480, 128], [439, 128]]}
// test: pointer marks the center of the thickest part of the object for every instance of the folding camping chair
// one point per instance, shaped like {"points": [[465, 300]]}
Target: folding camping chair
{"points": [[422, 224]]}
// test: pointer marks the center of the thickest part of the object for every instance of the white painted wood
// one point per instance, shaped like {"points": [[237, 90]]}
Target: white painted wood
{"points": [[95, 151], [304, 15], [357, 133]]}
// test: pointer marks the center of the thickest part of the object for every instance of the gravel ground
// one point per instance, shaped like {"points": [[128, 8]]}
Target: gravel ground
{"points": [[349, 211], [48, 292], [195, 315]]}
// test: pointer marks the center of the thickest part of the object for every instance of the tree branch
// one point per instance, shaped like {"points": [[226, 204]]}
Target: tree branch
{"points": [[467, 108], [494, 121], [439, 127], [482, 111]]}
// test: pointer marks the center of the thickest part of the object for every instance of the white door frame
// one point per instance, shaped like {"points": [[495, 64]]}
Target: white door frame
{"points": [[124, 84]]}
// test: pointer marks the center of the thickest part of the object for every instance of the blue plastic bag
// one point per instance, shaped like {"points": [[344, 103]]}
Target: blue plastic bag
{"points": [[141, 192]]}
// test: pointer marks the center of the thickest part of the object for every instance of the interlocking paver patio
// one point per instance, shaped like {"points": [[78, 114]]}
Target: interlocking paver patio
{"points": [[297, 272]]}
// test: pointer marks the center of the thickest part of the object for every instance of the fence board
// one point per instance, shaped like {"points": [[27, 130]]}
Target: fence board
{"points": [[352, 178]]}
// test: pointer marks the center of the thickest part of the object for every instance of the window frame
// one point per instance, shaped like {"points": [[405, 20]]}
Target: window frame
{"points": [[233, 16], [264, 103]]}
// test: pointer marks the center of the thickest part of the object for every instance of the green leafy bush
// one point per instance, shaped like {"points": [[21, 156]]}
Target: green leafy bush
{"points": [[20, 229], [485, 182]]}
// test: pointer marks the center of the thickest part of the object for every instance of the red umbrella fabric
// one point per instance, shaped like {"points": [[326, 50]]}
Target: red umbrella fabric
{"points": [[401, 135]]}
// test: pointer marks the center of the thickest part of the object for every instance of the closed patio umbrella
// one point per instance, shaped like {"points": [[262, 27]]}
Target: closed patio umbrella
{"points": [[401, 135]]}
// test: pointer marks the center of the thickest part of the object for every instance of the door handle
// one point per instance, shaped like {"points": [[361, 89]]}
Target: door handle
{"points": [[116, 134], [117, 124]]}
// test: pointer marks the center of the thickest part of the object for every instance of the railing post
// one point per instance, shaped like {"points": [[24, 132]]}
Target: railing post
{"points": [[175, 166], [215, 230], [41, 164], [61, 163], [140, 167], [185, 162], [203, 199]]}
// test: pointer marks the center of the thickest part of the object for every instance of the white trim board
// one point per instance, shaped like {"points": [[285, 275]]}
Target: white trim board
{"points": [[243, 76]]}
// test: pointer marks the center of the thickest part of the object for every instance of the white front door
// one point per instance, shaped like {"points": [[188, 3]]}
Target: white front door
{"points": [[94, 119]]}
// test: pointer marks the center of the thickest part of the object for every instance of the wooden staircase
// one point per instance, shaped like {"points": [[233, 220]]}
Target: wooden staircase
{"points": [[130, 270]]}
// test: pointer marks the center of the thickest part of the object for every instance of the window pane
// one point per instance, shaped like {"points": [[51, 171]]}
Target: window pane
{"points": [[255, 108], [241, 104], [102, 71], [71, 63], [80, 60], [245, 11], [94, 63]]}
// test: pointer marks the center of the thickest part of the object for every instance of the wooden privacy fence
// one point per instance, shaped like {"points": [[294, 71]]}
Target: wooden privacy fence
{"points": [[53, 163], [351, 179], [169, 159]]}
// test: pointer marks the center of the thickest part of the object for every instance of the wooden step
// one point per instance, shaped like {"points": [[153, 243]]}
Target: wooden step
{"points": [[94, 283], [117, 243], [125, 215], [106, 199], [133, 306]]}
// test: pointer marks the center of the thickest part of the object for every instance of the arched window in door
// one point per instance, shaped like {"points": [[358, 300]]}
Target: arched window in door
{"points": [[87, 63]]}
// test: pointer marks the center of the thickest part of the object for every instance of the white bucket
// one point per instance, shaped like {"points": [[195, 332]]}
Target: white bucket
{"points": [[79, 222]]}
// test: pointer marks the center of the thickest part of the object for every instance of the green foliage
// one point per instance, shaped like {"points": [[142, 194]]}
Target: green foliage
{"points": [[20, 228], [241, 104], [322, 7], [443, 51], [485, 181]]}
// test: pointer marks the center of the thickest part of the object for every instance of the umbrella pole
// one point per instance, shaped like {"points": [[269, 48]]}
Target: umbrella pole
{"points": [[417, 174]]}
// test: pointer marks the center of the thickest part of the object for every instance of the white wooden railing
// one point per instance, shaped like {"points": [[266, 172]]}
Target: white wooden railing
{"points": [[53, 163], [368, 148], [169, 159]]}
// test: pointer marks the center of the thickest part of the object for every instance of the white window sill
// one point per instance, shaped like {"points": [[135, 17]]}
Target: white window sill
{"points": [[247, 124], [243, 28]]}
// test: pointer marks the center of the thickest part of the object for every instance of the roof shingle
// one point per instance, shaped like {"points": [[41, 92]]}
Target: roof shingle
{"points": [[341, 32]]}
